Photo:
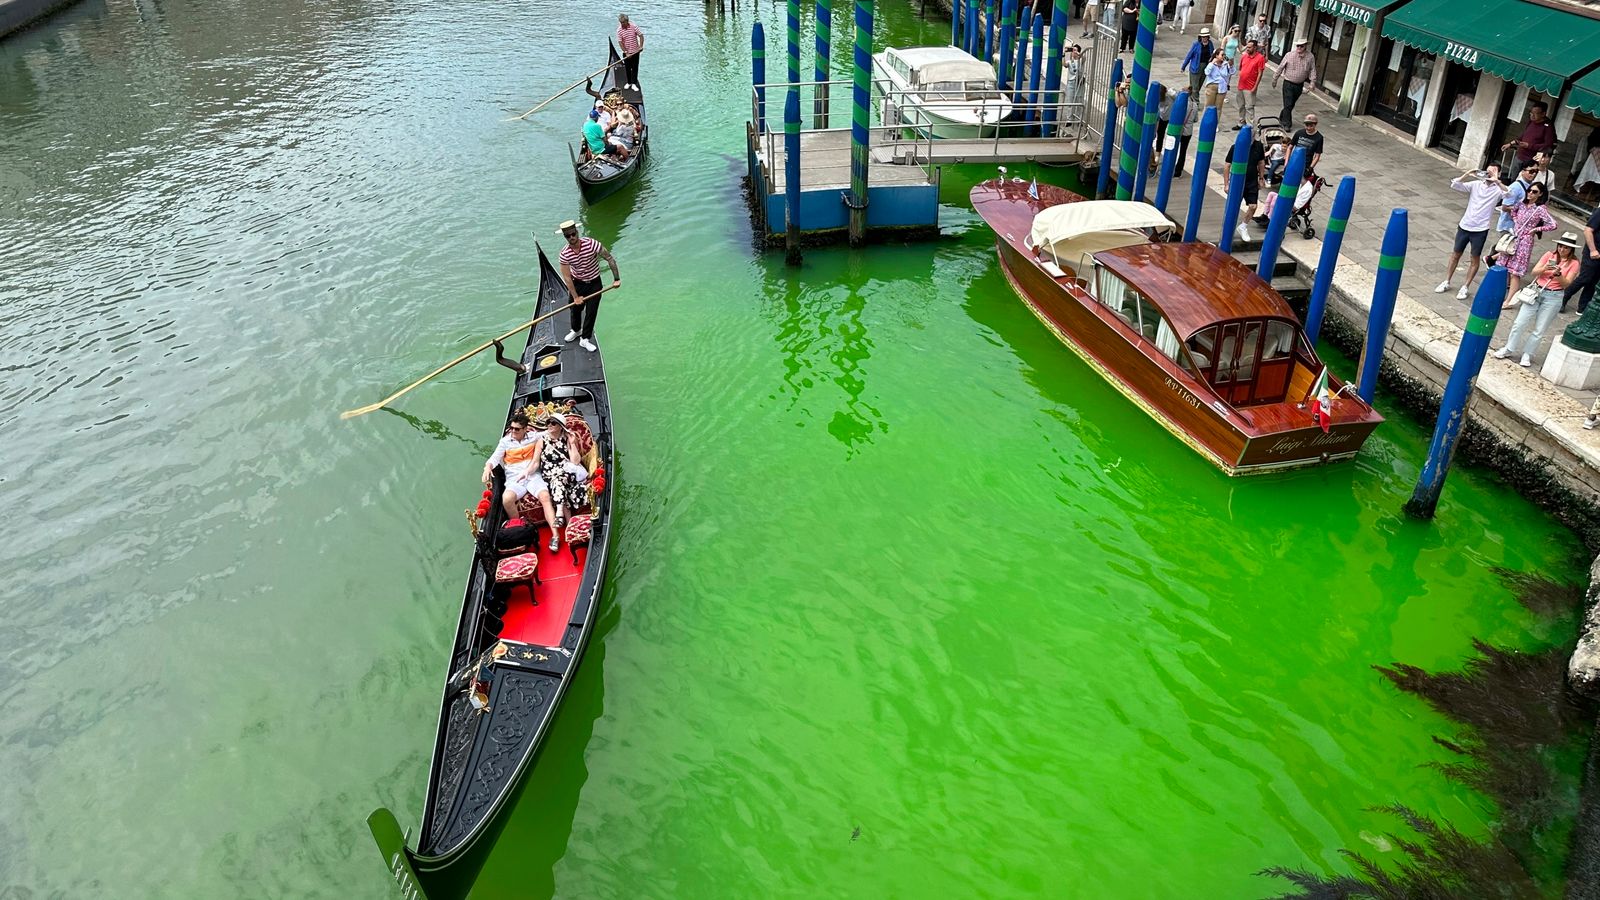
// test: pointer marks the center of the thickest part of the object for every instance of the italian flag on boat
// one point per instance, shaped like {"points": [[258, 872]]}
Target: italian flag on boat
{"points": [[1322, 402]]}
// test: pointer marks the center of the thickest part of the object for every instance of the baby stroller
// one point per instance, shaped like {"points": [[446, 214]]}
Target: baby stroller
{"points": [[1300, 216]]}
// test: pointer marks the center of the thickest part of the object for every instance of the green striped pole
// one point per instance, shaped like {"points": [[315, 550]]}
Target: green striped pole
{"points": [[1052, 69], [1272, 241], [1133, 127], [860, 121], [1236, 174], [821, 70], [758, 74], [793, 22], [791, 175], [1391, 263], [1338, 218]]}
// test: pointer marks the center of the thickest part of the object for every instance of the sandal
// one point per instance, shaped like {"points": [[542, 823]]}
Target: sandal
{"points": [[555, 540]]}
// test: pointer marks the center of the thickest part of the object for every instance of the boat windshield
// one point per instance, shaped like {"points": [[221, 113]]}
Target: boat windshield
{"points": [[955, 91]]}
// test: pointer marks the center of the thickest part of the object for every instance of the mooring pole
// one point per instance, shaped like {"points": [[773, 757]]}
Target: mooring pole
{"points": [[1033, 77], [859, 120], [971, 43], [821, 70], [1052, 68], [1169, 155], [1019, 79], [1272, 241], [758, 74], [1236, 175], [1008, 41], [1391, 264], [792, 19], [1338, 217], [791, 174], [1152, 115], [988, 30], [1201, 171], [955, 23], [1138, 94], [1108, 134], [1457, 391]]}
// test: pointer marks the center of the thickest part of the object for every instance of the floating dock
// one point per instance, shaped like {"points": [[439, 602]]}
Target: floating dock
{"points": [[902, 195]]}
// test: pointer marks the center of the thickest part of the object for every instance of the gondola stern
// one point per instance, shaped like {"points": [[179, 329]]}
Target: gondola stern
{"points": [[392, 844]]}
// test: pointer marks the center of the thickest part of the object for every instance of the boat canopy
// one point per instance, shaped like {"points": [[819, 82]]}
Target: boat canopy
{"points": [[1062, 224], [956, 71]]}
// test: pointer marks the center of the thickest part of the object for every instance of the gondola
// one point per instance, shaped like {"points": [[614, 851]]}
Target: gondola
{"points": [[602, 177], [525, 620]]}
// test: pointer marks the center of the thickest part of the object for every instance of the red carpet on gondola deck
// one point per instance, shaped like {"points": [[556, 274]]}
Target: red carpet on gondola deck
{"points": [[545, 622]]}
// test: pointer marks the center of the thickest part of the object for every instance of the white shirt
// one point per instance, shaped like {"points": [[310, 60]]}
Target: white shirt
{"points": [[516, 456]]}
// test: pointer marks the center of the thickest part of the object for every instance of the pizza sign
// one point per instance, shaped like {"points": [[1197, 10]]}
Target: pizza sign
{"points": [[1461, 53]]}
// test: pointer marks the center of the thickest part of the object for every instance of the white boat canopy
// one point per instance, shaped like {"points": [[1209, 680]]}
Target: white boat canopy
{"points": [[1062, 224], [955, 70]]}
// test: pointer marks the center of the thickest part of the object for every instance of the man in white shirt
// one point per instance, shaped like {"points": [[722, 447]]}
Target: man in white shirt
{"points": [[1484, 193], [515, 454]]}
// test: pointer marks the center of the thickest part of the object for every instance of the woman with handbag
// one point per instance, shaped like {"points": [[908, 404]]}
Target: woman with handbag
{"points": [[1541, 300], [1529, 220]]}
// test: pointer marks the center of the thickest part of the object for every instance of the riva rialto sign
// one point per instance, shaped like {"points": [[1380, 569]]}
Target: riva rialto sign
{"points": [[1359, 15]]}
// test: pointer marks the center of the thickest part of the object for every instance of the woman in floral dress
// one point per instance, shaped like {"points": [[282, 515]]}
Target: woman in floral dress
{"points": [[563, 474], [1529, 220]]}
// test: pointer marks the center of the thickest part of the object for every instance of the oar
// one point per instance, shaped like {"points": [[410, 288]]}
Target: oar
{"points": [[352, 413], [584, 80]]}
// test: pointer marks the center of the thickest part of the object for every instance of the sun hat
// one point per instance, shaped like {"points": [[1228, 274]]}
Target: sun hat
{"points": [[1300, 42], [1205, 32], [1567, 239], [566, 226]]}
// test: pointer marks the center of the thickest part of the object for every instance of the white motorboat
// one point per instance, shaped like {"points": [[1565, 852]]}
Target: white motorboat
{"points": [[947, 92]]}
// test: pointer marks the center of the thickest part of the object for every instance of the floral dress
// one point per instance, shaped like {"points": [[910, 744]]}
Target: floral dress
{"points": [[563, 482], [1528, 221]]}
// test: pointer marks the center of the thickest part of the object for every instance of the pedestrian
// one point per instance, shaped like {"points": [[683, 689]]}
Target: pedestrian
{"points": [[1529, 220], [1484, 193], [630, 40], [1298, 69], [1130, 25], [1231, 47], [1538, 135], [1072, 84], [1589, 274], [1260, 32], [1311, 139], [1180, 16], [1254, 180], [1189, 118], [580, 269], [1252, 63], [1161, 99], [1541, 171], [1218, 76], [1277, 160], [1513, 198], [1196, 60], [1554, 273], [1077, 8], [1091, 15]]}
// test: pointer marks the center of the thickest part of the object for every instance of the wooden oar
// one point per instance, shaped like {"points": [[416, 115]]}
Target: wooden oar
{"points": [[352, 413], [584, 80]]}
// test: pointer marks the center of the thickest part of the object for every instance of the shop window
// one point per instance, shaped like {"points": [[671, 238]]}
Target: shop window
{"points": [[1455, 107], [1577, 164], [1400, 85], [1330, 43]]}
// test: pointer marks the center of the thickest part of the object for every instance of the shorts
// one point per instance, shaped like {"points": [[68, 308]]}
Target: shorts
{"points": [[528, 484], [1252, 191], [1473, 239]]}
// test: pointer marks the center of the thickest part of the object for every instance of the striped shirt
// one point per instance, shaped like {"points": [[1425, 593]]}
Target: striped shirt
{"points": [[584, 259], [1298, 67], [630, 39]]}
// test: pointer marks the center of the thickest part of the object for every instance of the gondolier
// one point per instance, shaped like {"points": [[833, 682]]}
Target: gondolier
{"points": [[580, 270], [631, 40]]}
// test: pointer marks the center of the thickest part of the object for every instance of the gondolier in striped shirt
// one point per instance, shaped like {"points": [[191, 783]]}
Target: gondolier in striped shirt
{"points": [[580, 269], [630, 40]]}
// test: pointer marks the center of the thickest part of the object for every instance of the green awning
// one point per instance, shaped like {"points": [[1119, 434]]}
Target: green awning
{"points": [[1521, 42], [1361, 12], [1585, 93]]}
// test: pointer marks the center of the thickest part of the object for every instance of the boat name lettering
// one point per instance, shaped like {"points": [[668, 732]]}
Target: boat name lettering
{"points": [[1354, 13], [1289, 444], [1188, 398], [409, 889], [1461, 52]]}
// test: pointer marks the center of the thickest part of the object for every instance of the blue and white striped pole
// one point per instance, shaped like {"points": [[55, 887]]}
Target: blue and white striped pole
{"points": [[1238, 170], [1169, 156], [1147, 146], [1202, 171], [1338, 218], [1457, 391], [1385, 287], [1272, 241], [1108, 134]]}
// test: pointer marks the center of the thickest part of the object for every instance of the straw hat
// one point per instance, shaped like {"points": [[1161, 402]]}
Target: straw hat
{"points": [[1567, 239], [1205, 32]]}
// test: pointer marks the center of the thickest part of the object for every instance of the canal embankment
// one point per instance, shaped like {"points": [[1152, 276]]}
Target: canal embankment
{"points": [[16, 15]]}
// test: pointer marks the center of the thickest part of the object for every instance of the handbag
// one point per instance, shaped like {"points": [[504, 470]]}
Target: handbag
{"points": [[1528, 295], [1506, 245]]}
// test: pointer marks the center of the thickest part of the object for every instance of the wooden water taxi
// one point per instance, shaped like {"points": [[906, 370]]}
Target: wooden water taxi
{"points": [[525, 620], [600, 177], [1188, 333], [943, 91]]}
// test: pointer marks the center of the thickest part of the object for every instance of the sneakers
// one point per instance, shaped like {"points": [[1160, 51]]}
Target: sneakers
{"points": [[1462, 294], [1443, 286], [1526, 361], [587, 344], [1502, 353], [1238, 127], [1590, 423], [570, 336], [1243, 234]]}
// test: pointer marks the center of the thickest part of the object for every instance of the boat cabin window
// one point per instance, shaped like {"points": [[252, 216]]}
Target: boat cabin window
{"points": [[961, 90], [900, 67], [1247, 361], [1141, 316]]}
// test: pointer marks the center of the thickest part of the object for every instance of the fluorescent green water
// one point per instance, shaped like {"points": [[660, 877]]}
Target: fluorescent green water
{"points": [[905, 602]]}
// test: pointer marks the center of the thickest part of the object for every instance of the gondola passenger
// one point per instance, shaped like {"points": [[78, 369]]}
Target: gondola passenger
{"points": [[517, 453], [562, 473], [594, 135]]}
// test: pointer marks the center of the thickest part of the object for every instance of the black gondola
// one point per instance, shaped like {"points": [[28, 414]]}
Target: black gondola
{"points": [[521, 634], [601, 177]]}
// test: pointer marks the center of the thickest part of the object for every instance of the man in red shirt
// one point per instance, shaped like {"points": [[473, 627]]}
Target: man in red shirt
{"points": [[630, 43], [1251, 64], [1537, 136]]}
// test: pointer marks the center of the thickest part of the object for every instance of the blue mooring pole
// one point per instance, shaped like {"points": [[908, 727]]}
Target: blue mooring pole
{"points": [[988, 30], [1108, 135], [758, 74], [955, 23], [1391, 263], [1201, 171], [1052, 68], [1169, 156], [1147, 146], [1033, 77], [1272, 241], [1138, 95], [971, 42], [1008, 42], [821, 69], [793, 22], [1338, 217], [791, 174], [1019, 79], [860, 120], [1457, 391], [1236, 175]]}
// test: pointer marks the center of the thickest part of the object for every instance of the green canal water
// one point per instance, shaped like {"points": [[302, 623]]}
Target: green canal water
{"points": [[905, 601]]}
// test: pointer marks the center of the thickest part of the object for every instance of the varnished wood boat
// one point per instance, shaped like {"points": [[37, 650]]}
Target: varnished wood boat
{"points": [[601, 177], [1188, 333], [518, 642]]}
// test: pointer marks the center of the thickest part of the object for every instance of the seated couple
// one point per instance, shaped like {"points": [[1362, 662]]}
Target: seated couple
{"points": [[613, 126], [543, 463]]}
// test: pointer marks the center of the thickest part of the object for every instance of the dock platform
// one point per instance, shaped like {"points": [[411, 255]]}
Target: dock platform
{"points": [[902, 194]]}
